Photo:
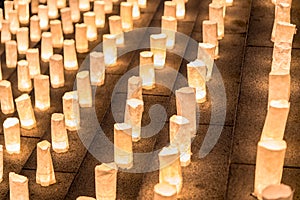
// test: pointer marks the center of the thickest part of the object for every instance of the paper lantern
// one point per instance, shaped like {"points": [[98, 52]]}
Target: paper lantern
{"points": [[216, 15], [133, 116], [126, 15], [158, 48], [99, 13], [269, 164], [7, 100], [164, 191], [11, 54], [135, 9], [282, 56], [282, 14], [23, 40], [18, 186], [169, 167], [25, 111], [106, 181], [35, 30], [8, 6], [33, 59], [42, 92], [46, 46], [52, 9], [109, 49], [134, 88], [170, 9], [146, 70], [180, 137], [12, 135], [210, 35], [277, 192], [70, 57], [34, 6], [61, 4], [44, 19], [169, 27], [59, 136], [279, 86], [186, 106], [90, 20], [56, 69], [44, 172], [84, 89], [23, 12], [71, 110], [108, 6], [221, 2], [13, 21], [82, 44], [123, 145], [284, 32], [115, 27], [180, 9], [57, 34], [24, 81], [66, 20], [84, 5], [206, 54], [97, 68], [75, 12], [5, 32]]}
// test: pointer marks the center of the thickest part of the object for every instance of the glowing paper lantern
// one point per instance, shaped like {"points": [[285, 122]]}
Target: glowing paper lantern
{"points": [[11, 54], [169, 27], [57, 34], [71, 110], [12, 135], [180, 137], [70, 57], [282, 14], [109, 49], [133, 116], [66, 21], [216, 15], [44, 19], [126, 15], [5, 32], [135, 9], [84, 5], [23, 12], [24, 81], [35, 30], [7, 101], [42, 92], [82, 44], [18, 186], [33, 59], [164, 191], [282, 56], [210, 35], [84, 89], [13, 21], [61, 4], [97, 68], [44, 172], [99, 13], [275, 122], [52, 9], [108, 6], [46, 46], [115, 27], [279, 86], [170, 9], [134, 89], [23, 40], [277, 192], [90, 20], [206, 53], [158, 48], [186, 106], [284, 32], [34, 6], [169, 167], [146, 70], [123, 145], [8, 6], [75, 12], [180, 9], [25, 111], [59, 136], [269, 164], [106, 181], [56, 69]]}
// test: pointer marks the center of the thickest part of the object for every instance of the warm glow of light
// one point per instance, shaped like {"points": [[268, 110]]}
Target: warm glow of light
{"points": [[126, 15], [66, 20], [282, 14], [164, 191], [12, 135], [142, 3], [278, 192], [23, 40], [24, 81], [169, 27], [180, 9], [46, 46], [210, 35], [5, 32], [229, 2], [108, 6], [216, 13], [44, 19], [7, 101], [59, 136], [134, 88], [89, 19], [146, 70], [52, 9], [57, 33], [33, 58], [35, 30], [135, 9], [82, 44], [170, 9], [84, 89], [70, 57], [25, 111], [11, 54], [100, 13], [158, 48], [42, 92], [109, 49], [56, 69], [71, 110], [75, 12], [61, 4], [115, 27], [97, 68], [8, 6], [23, 12], [18, 186]]}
